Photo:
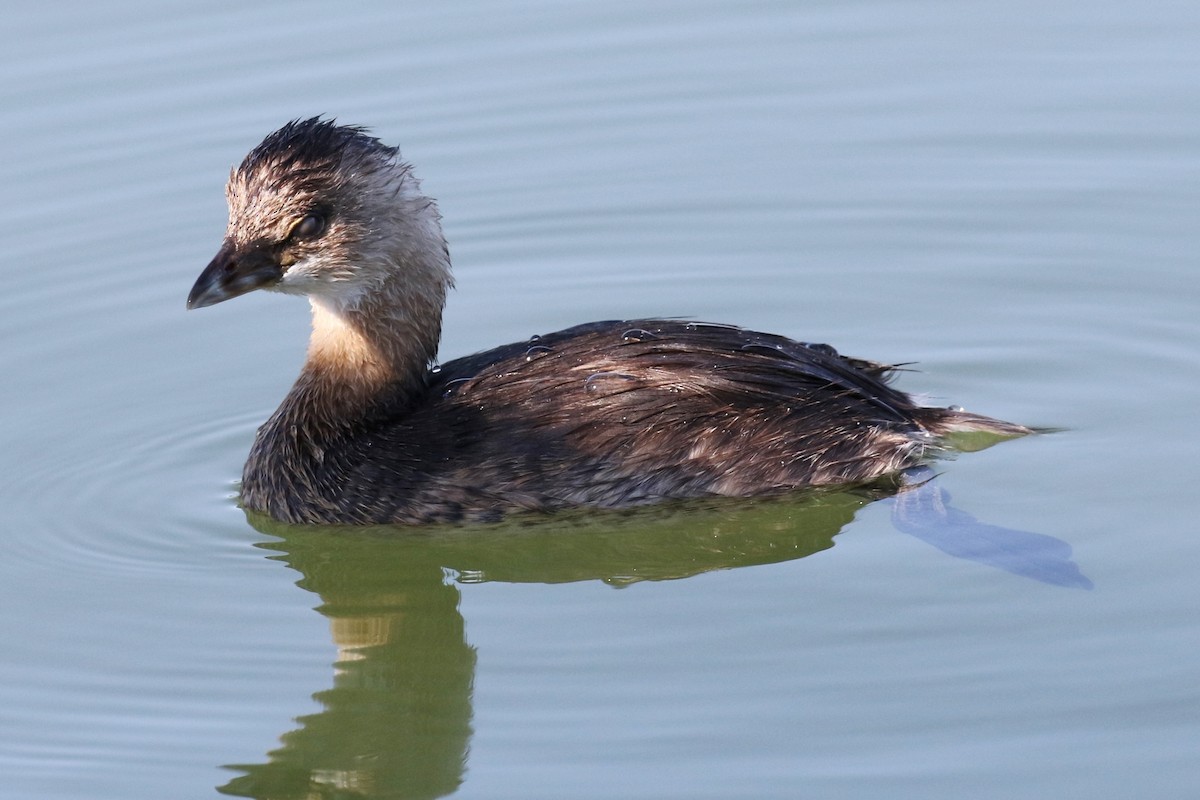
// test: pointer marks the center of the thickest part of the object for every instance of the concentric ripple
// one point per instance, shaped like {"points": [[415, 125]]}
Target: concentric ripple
{"points": [[151, 504]]}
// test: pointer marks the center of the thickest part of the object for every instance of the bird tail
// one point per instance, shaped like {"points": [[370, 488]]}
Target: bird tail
{"points": [[964, 431]]}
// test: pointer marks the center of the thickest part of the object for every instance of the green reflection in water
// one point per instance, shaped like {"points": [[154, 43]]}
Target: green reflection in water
{"points": [[397, 721]]}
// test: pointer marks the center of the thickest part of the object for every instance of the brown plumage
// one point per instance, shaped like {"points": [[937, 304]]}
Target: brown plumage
{"points": [[606, 414]]}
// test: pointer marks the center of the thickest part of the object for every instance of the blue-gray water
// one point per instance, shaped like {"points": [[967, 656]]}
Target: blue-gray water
{"points": [[1006, 194]]}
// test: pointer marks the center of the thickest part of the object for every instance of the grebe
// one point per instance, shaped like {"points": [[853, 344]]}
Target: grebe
{"points": [[606, 414]]}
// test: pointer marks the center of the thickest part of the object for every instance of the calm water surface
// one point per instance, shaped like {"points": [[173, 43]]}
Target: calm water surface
{"points": [[1006, 195]]}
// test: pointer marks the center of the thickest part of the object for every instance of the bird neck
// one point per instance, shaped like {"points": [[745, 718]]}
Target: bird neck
{"points": [[375, 345]]}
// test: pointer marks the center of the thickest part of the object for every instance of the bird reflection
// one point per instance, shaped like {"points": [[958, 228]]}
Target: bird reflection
{"points": [[396, 722]]}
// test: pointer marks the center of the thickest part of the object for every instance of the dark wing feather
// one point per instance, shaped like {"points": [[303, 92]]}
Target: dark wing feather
{"points": [[728, 363]]}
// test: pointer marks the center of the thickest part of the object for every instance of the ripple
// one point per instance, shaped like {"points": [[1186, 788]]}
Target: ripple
{"points": [[150, 505]]}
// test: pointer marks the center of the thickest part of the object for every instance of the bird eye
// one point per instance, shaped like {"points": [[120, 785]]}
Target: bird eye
{"points": [[310, 227]]}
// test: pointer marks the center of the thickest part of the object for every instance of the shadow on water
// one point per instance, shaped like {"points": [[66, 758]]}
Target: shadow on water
{"points": [[922, 509], [397, 721]]}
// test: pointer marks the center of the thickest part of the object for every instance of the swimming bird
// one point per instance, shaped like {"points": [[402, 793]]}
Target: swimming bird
{"points": [[606, 414]]}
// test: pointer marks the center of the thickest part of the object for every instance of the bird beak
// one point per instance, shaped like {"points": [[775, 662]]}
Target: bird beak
{"points": [[234, 272]]}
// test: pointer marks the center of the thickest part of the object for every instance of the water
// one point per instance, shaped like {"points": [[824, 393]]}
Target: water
{"points": [[1007, 195]]}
